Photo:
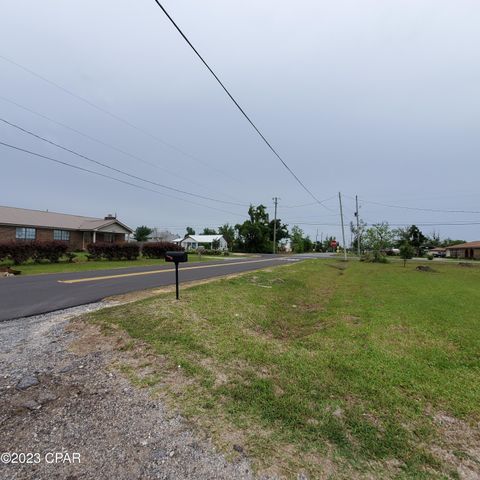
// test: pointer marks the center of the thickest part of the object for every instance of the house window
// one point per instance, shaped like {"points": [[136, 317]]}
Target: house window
{"points": [[23, 233], [108, 237], [63, 235]]}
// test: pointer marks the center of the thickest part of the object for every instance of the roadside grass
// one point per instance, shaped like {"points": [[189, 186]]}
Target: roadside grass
{"points": [[339, 370], [82, 264]]}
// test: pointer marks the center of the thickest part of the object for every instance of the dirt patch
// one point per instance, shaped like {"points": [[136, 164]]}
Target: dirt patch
{"points": [[425, 268], [352, 319], [311, 307], [458, 446], [74, 397]]}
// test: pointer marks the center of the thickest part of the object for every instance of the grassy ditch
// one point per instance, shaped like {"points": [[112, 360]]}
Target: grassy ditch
{"points": [[339, 370]]}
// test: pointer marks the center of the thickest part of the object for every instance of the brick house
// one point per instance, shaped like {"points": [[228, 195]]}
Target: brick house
{"points": [[464, 250], [20, 224]]}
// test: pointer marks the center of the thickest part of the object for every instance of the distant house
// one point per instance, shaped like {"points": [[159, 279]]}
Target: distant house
{"points": [[20, 225], [161, 236], [191, 242], [464, 250]]}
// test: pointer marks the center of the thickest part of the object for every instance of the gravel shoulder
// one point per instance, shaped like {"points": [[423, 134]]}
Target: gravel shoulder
{"points": [[60, 391]]}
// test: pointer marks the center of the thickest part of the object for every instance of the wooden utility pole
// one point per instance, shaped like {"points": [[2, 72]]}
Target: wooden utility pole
{"points": [[359, 250], [275, 199], [343, 226]]}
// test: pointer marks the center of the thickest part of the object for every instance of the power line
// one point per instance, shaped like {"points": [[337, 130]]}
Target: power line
{"points": [[76, 167], [418, 208], [101, 142], [458, 224], [28, 132], [236, 103], [299, 206], [309, 204], [111, 114]]}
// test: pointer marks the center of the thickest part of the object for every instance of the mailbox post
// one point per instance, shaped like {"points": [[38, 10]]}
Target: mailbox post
{"points": [[176, 257]]}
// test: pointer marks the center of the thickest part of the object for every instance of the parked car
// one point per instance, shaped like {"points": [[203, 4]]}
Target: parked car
{"points": [[438, 252]]}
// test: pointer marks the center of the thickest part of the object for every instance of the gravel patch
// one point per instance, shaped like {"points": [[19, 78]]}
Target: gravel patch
{"points": [[54, 398]]}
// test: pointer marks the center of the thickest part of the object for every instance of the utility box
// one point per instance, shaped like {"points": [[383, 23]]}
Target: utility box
{"points": [[176, 257]]}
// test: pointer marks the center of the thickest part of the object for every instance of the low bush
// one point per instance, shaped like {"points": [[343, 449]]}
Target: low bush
{"points": [[21, 252], [71, 257], [51, 251], [113, 251], [158, 249], [4, 252], [217, 253], [369, 257]]}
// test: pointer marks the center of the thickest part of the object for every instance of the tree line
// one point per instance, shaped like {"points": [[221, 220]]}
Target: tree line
{"points": [[380, 240], [255, 235]]}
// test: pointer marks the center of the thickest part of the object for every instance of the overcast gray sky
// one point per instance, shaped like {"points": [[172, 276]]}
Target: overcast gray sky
{"points": [[375, 98]]}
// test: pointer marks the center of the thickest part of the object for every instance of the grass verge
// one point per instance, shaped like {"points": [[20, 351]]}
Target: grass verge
{"points": [[83, 265], [339, 370]]}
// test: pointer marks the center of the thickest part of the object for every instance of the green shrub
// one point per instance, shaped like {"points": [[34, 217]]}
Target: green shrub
{"points": [[212, 252], [71, 257], [113, 251], [51, 251], [21, 252], [158, 249], [371, 258]]}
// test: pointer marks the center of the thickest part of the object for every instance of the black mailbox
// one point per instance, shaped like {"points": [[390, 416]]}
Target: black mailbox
{"points": [[176, 257]]}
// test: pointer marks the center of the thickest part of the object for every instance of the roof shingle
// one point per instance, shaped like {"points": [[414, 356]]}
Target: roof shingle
{"points": [[39, 218]]}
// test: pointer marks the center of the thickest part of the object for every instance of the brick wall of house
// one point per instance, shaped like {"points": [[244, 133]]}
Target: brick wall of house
{"points": [[117, 237], [76, 241], [44, 235], [460, 253], [7, 234]]}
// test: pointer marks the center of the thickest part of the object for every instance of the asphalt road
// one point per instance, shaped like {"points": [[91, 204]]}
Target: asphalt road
{"points": [[37, 294]]}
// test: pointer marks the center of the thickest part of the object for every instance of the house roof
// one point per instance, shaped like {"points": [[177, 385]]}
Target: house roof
{"points": [[204, 238], [39, 218], [465, 245]]}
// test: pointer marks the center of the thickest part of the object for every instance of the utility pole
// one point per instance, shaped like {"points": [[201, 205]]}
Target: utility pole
{"points": [[275, 199], [359, 250], [343, 226]]}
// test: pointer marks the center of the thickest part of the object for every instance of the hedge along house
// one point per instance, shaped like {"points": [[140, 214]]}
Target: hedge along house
{"points": [[19, 225], [191, 242], [464, 250]]}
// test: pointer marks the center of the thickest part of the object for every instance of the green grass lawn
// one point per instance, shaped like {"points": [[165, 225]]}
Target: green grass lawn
{"points": [[339, 370], [82, 264]]}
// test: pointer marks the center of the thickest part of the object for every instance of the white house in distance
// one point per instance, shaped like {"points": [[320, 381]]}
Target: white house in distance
{"points": [[191, 242], [158, 235]]}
